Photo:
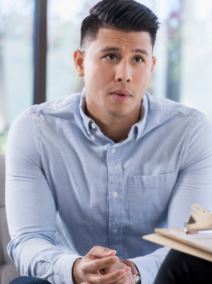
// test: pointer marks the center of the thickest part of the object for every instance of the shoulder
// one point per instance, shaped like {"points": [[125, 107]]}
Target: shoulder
{"points": [[56, 107], [168, 107], [27, 123], [170, 115], [61, 108], [168, 110]]}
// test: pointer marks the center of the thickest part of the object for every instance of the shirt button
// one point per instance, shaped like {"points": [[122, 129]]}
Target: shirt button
{"points": [[113, 150], [93, 125], [115, 230], [115, 194]]}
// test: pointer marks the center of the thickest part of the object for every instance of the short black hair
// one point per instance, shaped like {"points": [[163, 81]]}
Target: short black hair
{"points": [[124, 15]]}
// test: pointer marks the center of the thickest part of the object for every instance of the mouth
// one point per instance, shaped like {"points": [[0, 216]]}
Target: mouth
{"points": [[121, 95]]}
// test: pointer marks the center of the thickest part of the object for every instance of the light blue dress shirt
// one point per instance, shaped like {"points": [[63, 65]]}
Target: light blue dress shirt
{"points": [[70, 188]]}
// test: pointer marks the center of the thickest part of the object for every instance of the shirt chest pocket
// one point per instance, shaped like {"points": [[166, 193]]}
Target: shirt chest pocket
{"points": [[148, 196]]}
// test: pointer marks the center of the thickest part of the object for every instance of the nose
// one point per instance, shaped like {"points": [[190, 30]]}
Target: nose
{"points": [[123, 73]]}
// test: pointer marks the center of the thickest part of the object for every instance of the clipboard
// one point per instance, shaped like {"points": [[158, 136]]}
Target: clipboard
{"points": [[198, 243]]}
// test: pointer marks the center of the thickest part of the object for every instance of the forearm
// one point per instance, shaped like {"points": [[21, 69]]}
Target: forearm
{"points": [[31, 209], [35, 256]]}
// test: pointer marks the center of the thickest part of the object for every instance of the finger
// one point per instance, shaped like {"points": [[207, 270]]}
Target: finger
{"points": [[125, 279], [121, 280], [108, 278], [98, 251], [128, 270], [99, 264]]}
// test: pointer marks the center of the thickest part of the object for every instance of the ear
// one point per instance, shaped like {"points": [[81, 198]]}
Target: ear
{"points": [[79, 62], [152, 68]]}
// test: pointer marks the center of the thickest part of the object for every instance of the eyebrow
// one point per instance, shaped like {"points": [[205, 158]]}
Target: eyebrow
{"points": [[112, 48]]}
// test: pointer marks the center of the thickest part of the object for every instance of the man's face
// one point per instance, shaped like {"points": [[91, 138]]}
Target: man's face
{"points": [[117, 67]]}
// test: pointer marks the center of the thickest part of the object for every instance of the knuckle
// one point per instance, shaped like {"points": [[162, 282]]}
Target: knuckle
{"points": [[112, 258], [83, 266], [118, 281], [93, 265], [94, 249], [106, 249], [108, 262], [88, 279], [116, 276], [98, 280], [113, 278], [122, 280]]}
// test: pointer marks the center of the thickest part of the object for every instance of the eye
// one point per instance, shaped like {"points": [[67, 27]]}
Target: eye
{"points": [[139, 59], [110, 56]]}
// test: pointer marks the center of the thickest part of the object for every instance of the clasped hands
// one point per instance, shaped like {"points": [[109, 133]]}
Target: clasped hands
{"points": [[101, 266]]}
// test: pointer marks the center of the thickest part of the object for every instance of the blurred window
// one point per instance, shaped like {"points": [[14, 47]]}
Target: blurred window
{"points": [[63, 38], [16, 21], [196, 71]]}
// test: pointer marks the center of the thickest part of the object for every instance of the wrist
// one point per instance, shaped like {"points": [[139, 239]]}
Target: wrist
{"points": [[134, 269], [75, 276]]}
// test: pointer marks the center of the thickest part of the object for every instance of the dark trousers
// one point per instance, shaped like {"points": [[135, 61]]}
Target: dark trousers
{"points": [[29, 280], [177, 268], [181, 268]]}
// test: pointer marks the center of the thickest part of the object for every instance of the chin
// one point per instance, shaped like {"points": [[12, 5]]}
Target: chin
{"points": [[117, 113]]}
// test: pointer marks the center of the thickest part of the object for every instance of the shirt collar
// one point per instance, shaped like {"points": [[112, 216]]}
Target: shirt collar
{"points": [[136, 129], [86, 120], [140, 125]]}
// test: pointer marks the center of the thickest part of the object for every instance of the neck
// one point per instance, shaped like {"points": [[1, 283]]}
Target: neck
{"points": [[115, 128]]}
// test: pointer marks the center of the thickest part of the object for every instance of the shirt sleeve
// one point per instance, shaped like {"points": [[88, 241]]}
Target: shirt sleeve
{"points": [[31, 208], [193, 185]]}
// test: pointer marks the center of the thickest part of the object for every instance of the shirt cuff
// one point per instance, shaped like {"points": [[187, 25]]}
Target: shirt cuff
{"points": [[149, 265], [143, 268], [63, 269]]}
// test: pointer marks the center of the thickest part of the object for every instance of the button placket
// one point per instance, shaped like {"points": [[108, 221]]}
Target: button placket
{"points": [[115, 199], [93, 125]]}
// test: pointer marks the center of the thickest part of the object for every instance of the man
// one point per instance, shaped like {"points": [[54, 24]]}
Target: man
{"points": [[90, 174]]}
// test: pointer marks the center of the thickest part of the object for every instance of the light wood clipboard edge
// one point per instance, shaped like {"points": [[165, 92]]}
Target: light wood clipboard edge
{"points": [[166, 241], [165, 232]]}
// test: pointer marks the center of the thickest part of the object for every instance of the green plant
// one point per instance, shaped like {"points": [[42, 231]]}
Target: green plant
{"points": [[2, 144]]}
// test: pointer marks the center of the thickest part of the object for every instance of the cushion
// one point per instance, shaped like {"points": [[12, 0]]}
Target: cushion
{"points": [[8, 271]]}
